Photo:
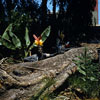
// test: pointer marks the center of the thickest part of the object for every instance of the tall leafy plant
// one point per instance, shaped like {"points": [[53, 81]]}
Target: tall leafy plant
{"points": [[12, 41], [42, 38], [87, 77], [39, 41]]}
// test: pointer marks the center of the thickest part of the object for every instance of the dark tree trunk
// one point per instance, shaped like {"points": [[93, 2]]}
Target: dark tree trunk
{"points": [[44, 12], [54, 7]]}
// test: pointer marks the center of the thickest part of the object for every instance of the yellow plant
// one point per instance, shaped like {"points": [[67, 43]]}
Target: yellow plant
{"points": [[39, 42]]}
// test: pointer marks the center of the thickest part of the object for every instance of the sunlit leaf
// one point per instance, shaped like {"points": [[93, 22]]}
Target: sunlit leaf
{"points": [[81, 71], [45, 33], [27, 39], [5, 34]]}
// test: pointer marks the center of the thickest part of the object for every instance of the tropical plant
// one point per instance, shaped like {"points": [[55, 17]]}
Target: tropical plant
{"points": [[11, 41], [41, 39]]}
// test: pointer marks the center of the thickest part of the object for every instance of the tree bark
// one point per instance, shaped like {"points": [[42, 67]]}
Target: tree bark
{"points": [[24, 80]]}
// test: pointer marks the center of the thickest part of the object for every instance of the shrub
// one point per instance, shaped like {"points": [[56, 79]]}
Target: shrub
{"points": [[87, 77]]}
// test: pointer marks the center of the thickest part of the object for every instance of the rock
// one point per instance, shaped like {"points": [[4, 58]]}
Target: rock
{"points": [[32, 58]]}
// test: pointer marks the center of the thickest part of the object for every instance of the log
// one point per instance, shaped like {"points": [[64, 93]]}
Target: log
{"points": [[23, 80]]}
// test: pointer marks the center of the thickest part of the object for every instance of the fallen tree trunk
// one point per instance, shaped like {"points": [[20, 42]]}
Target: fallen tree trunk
{"points": [[22, 81]]}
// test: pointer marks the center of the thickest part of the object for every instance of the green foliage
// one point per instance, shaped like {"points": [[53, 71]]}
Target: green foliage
{"points": [[21, 24], [27, 42], [9, 39], [45, 33], [27, 39], [87, 78]]}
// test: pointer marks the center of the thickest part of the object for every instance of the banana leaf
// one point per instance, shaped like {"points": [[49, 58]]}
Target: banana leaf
{"points": [[7, 44], [27, 39], [9, 39], [45, 33]]}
